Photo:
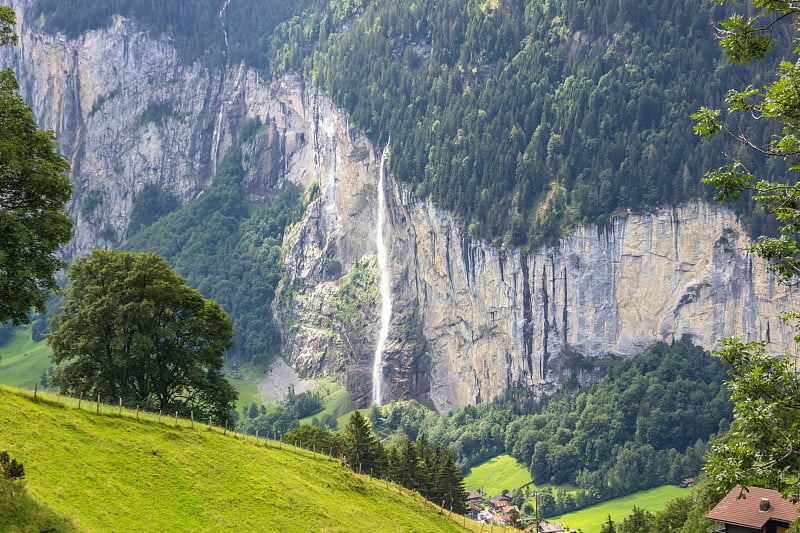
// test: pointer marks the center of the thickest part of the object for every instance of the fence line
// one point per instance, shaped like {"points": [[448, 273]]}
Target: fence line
{"points": [[189, 423]]}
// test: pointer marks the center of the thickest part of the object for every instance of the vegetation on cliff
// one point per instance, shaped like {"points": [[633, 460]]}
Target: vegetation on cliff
{"points": [[520, 117], [227, 250]]}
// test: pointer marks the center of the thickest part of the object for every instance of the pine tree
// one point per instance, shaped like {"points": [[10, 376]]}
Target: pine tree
{"points": [[449, 484], [362, 450]]}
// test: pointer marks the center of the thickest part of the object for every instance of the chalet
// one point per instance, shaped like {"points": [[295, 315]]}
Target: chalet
{"points": [[474, 497], [498, 502], [508, 509], [757, 511], [552, 527]]}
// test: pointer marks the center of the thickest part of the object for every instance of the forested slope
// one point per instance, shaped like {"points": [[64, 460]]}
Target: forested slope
{"points": [[647, 423], [229, 250], [521, 117]]}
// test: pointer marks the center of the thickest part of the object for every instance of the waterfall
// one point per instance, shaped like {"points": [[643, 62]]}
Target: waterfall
{"points": [[384, 284], [217, 135]]}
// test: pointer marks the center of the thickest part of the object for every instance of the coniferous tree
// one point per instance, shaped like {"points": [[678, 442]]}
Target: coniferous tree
{"points": [[361, 449], [449, 484]]}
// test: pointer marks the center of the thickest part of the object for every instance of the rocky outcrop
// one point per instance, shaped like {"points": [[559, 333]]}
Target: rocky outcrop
{"points": [[470, 320], [494, 319]]}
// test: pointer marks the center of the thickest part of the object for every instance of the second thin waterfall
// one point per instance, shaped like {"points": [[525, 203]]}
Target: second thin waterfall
{"points": [[384, 284]]}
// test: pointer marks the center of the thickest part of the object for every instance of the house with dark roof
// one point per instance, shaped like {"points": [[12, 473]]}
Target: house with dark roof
{"points": [[474, 497], [757, 511]]}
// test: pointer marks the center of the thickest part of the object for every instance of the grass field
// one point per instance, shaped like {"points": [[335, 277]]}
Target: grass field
{"points": [[246, 385], [498, 474], [337, 403], [111, 472], [23, 360], [590, 520]]}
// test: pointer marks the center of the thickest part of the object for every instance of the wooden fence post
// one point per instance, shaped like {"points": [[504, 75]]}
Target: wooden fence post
{"points": [[98, 404], [191, 413], [176, 418], [256, 436], [35, 390], [137, 412], [79, 401], [159, 416], [120, 406]]}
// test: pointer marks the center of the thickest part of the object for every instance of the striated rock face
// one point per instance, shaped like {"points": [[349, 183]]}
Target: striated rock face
{"points": [[127, 113], [495, 319], [470, 320]]}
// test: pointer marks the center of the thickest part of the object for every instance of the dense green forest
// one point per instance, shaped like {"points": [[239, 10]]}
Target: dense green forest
{"points": [[647, 423], [227, 249], [195, 25], [522, 117]]}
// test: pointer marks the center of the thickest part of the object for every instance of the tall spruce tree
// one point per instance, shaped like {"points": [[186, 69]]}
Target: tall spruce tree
{"points": [[361, 449]]}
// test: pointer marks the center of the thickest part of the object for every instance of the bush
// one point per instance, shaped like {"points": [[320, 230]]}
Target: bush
{"points": [[10, 468]]}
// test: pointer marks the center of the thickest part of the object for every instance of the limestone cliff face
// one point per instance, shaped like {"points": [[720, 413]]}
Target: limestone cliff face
{"points": [[470, 320], [128, 113], [495, 319]]}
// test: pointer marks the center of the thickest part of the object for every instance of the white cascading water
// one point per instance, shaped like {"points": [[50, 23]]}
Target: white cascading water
{"points": [[217, 134], [384, 284]]}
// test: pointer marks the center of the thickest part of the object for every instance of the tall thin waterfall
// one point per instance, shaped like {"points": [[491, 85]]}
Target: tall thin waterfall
{"points": [[217, 134], [385, 285]]}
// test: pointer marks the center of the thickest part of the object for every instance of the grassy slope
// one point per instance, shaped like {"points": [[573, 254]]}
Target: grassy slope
{"points": [[590, 520], [112, 473], [23, 361], [498, 474]]}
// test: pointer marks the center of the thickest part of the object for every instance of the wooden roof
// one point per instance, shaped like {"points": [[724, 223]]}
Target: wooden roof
{"points": [[747, 511]]}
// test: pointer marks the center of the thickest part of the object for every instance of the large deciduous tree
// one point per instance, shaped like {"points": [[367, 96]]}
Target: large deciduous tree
{"points": [[131, 328], [33, 190], [762, 446]]}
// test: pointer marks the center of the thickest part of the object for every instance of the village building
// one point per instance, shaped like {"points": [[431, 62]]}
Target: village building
{"points": [[757, 511]]}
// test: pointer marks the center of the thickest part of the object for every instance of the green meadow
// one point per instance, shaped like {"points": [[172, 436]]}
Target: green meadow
{"points": [[114, 472], [496, 475], [22, 361], [590, 520]]}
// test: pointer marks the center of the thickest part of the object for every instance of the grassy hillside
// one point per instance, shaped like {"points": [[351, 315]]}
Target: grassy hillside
{"points": [[590, 520], [498, 474], [22, 360], [115, 473]]}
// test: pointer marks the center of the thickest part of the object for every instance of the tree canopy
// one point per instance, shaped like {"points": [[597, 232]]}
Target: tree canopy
{"points": [[130, 328], [760, 448], [33, 191]]}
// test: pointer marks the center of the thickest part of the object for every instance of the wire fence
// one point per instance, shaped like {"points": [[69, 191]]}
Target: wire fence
{"points": [[97, 407]]}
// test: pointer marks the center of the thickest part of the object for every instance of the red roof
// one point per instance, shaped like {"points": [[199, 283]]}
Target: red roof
{"points": [[748, 512]]}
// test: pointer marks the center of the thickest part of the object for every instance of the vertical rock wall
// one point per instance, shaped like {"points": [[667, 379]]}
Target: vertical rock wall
{"points": [[470, 320]]}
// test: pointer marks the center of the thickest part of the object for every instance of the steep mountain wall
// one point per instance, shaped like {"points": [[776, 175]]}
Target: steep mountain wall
{"points": [[470, 319]]}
